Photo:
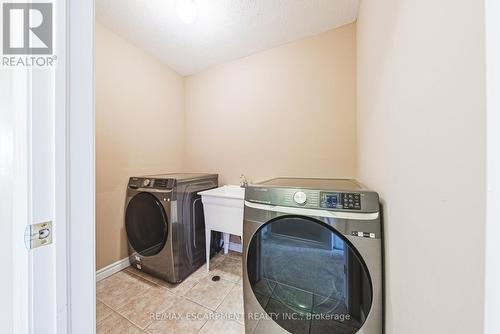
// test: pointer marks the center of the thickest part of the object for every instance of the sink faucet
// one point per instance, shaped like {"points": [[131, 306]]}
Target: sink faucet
{"points": [[243, 181]]}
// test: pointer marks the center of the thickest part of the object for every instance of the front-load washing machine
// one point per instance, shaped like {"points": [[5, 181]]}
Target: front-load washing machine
{"points": [[312, 257], [165, 224]]}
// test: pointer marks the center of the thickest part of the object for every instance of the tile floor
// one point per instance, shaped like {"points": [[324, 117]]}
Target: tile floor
{"points": [[131, 301]]}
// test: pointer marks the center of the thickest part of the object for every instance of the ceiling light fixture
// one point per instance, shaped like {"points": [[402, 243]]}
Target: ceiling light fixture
{"points": [[187, 11]]}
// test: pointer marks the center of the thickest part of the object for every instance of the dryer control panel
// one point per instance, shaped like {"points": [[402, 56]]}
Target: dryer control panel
{"points": [[148, 182]]}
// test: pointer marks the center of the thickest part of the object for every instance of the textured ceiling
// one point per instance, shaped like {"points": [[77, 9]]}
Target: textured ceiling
{"points": [[224, 30]]}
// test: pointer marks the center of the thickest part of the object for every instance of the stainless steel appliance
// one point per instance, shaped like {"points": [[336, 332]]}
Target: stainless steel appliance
{"points": [[312, 257], [165, 224]]}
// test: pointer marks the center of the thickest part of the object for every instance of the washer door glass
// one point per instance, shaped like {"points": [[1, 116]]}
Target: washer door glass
{"points": [[308, 278], [146, 224]]}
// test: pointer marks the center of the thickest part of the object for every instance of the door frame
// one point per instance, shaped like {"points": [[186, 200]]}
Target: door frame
{"points": [[492, 238], [75, 168]]}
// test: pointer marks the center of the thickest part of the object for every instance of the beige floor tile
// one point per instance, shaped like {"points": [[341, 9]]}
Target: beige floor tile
{"points": [[140, 308], [119, 289], [200, 273], [216, 260], [230, 269], [234, 255], [184, 317], [102, 312], [232, 305], [152, 279], [209, 293], [113, 280], [120, 278], [142, 274], [222, 326], [179, 289], [116, 324]]}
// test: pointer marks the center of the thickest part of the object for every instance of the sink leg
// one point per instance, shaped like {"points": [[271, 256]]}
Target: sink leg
{"points": [[208, 234], [226, 243]]}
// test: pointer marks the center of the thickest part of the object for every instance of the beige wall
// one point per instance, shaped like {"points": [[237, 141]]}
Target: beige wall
{"points": [[139, 130], [288, 111], [421, 126]]}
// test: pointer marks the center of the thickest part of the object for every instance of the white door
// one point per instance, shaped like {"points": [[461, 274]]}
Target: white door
{"points": [[46, 176], [14, 304], [27, 183], [28, 197]]}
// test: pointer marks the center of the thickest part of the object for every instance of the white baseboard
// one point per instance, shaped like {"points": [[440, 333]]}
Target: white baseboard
{"points": [[112, 269], [236, 247]]}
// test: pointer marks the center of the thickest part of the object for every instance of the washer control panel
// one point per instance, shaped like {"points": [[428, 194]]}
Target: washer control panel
{"points": [[315, 199], [329, 200], [362, 201], [334, 200], [351, 201]]}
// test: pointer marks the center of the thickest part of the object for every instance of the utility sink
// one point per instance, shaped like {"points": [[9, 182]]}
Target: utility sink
{"points": [[223, 208]]}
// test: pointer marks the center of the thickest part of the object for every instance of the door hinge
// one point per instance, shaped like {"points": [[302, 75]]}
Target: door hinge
{"points": [[37, 235]]}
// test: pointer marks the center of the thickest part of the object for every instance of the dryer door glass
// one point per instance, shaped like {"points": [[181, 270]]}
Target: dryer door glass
{"points": [[146, 224], [308, 277]]}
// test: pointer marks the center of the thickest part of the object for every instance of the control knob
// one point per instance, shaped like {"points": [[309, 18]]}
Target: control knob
{"points": [[146, 182], [300, 197]]}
